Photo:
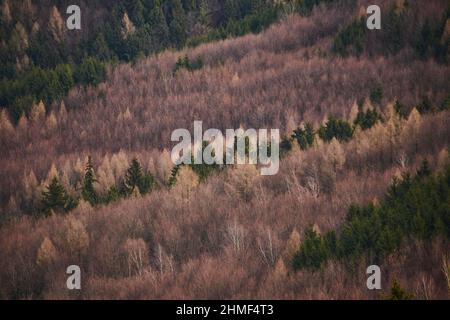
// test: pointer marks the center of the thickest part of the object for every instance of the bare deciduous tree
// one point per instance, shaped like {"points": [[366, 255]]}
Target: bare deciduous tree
{"points": [[137, 256]]}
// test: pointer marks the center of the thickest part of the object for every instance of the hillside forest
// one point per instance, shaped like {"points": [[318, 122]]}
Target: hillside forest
{"points": [[86, 176]]}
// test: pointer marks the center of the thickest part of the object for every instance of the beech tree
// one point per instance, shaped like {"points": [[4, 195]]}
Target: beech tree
{"points": [[56, 25]]}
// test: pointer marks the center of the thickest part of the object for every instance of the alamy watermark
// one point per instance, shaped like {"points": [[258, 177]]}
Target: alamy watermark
{"points": [[73, 22], [74, 280], [374, 279], [238, 146], [374, 20]]}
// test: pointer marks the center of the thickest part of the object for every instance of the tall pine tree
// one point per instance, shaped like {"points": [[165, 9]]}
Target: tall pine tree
{"points": [[133, 176], [88, 191], [137, 180], [55, 198]]}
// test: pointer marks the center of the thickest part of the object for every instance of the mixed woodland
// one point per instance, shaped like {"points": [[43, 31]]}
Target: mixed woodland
{"points": [[86, 175]]}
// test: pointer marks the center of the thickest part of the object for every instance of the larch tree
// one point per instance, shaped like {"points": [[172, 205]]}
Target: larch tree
{"points": [[20, 38], [5, 123], [47, 253], [163, 166], [62, 114], [292, 245], [51, 123], [353, 112], [186, 182], [37, 112], [443, 159], [53, 172], [412, 129], [77, 237], [119, 164], [392, 129], [56, 25], [128, 27], [105, 176], [335, 154], [23, 123], [30, 185]]}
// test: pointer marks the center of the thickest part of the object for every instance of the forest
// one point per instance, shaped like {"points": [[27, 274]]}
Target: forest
{"points": [[86, 175], [37, 45]]}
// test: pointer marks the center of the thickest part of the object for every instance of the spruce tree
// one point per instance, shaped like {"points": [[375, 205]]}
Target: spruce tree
{"points": [[425, 39], [203, 12], [304, 137], [159, 29], [231, 9], [336, 128], [285, 145], [55, 198], [100, 48], [398, 293], [313, 251], [401, 110], [425, 106], [177, 26], [376, 95], [133, 177], [147, 183], [257, 5], [424, 170], [368, 119], [88, 191], [135, 9]]}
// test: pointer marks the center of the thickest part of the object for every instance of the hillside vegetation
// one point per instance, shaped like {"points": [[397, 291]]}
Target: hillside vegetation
{"points": [[41, 60], [87, 179]]}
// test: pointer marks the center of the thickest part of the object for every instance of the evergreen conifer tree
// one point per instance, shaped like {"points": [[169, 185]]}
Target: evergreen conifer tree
{"points": [[133, 177], [159, 29], [88, 191], [305, 137], [55, 198], [177, 26]]}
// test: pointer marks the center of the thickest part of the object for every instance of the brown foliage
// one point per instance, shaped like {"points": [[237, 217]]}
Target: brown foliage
{"points": [[234, 235]]}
